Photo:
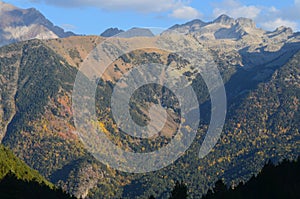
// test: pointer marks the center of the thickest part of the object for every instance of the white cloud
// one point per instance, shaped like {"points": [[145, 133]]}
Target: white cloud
{"points": [[235, 9], [288, 16], [273, 10], [292, 12], [273, 24], [135, 5], [185, 12], [179, 9], [68, 27], [266, 17]]}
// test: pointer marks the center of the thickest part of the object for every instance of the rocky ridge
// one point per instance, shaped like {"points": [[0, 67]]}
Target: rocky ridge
{"points": [[24, 24]]}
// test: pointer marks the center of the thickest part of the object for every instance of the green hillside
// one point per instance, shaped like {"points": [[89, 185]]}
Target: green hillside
{"points": [[10, 164], [17, 180]]}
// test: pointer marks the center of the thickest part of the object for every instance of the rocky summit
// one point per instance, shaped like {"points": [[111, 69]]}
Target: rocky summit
{"points": [[242, 30], [24, 24]]}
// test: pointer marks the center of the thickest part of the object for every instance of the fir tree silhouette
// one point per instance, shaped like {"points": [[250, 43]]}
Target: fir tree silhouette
{"points": [[179, 191]]}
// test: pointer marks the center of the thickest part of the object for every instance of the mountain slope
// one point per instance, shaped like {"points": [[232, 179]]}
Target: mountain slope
{"points": [[17, 180], [24, 24], [262, 84], [10, 164], [37, 120], [262, 124]]}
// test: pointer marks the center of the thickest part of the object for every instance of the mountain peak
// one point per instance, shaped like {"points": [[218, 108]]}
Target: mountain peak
{"points": [[190, 26], [246, 22], [190, 23], [224, 19], [137, 32], [223, 27], [25, 24], [110, 32], [6, 7], [284, 29], [196, 21]]}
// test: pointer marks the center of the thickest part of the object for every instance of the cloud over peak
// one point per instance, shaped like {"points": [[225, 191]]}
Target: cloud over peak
{"points": [[235, 9], [185, 12]]}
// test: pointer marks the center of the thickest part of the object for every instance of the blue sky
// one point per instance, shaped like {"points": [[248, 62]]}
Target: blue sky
{"points": [[94, 16]]}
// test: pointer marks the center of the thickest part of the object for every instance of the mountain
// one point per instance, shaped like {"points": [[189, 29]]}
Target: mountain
{"points": [[261, 75], [225, 27], [261, 125], [36, 85], [24, 24], [133, 32], [137, 32], [191, 26], [111, 32]]}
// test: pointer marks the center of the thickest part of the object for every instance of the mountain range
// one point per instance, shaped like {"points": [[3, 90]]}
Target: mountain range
{"points": [[260, 70]]}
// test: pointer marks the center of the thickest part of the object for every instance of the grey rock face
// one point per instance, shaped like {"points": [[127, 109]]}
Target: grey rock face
{"points": [[111, 32], [24, 24]]}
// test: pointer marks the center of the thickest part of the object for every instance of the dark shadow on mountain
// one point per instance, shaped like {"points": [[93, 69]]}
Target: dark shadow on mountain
{"points": [[248, 77], [134, 188], [11, 187], [180, 191], [63, 173], [229, 33], [276, 182]]}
